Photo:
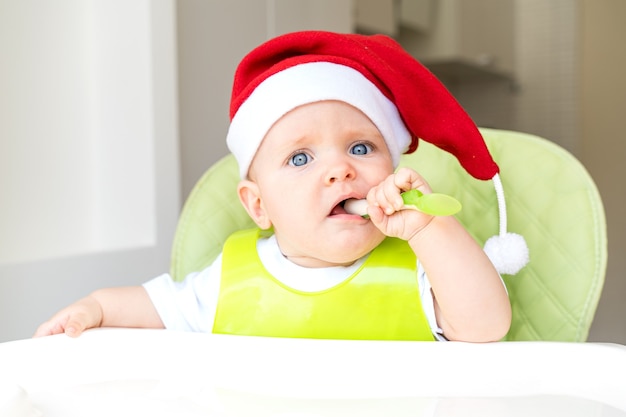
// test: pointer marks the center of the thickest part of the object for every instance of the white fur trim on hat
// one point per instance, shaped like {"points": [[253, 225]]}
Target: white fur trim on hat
{"points": [[308, 83]]}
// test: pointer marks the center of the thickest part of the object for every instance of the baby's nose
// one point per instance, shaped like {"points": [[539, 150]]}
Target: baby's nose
{"points": [[340, 171]]}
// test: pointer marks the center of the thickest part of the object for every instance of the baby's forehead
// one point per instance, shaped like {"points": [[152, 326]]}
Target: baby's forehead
{"points": [[297, 133]]}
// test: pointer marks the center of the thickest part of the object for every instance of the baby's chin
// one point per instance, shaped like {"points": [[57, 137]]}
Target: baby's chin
{"points": [[342, 249], [349, 252]]}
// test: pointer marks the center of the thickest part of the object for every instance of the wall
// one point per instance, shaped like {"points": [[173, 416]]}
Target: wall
{"points": [[69, 127], [569, 88], [206, 64], [89, 183], [213, 36], [603, 104], [544, 97]]}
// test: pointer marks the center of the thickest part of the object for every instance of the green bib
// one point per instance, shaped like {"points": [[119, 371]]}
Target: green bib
{"points": [[380, 301]]}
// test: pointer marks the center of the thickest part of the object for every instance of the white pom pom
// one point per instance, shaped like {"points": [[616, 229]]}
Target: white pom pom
{"points": [[508, 252]]}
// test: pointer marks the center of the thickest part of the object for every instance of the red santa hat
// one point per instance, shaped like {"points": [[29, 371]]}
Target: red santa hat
{"points": [[376, 75]]}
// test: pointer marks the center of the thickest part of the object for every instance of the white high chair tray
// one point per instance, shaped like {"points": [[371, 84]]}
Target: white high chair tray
{"points": [[124, 372]]}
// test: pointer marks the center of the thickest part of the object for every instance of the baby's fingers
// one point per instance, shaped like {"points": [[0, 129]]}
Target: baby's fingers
{"points": [[386, 195], [75, 328], [407, 179], [71, 325], [50, 328]]}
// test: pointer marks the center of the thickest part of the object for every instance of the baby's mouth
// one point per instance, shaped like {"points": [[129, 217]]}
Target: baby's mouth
{"points": [[339, 209]]}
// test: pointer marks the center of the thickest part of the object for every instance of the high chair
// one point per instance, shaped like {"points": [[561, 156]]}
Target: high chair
{"points": [[551, 200]]}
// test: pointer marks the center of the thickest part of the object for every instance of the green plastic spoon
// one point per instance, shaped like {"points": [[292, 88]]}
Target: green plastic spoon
{"points": [[434, 204]]}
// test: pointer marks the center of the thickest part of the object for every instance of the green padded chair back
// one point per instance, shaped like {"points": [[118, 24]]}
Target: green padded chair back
{"points": [[551, 200]]}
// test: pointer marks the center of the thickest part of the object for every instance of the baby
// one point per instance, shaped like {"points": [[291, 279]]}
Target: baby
{"points": [[318, 118]]}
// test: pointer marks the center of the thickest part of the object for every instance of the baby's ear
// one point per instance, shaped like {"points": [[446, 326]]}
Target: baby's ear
{"points": [[251, 200]]}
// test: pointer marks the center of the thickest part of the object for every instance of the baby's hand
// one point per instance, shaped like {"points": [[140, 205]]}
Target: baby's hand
{"points": [[74, 319], [386, 205]]}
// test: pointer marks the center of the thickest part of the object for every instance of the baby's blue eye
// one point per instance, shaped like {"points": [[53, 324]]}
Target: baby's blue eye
{"points": [[299, 159], [360, 149]]}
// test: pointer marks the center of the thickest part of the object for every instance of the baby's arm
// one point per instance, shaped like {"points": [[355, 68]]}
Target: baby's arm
{"points": [[471, 303], [110, 307]]}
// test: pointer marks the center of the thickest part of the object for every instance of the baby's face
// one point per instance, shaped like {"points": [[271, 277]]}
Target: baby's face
{"points": [[312, 159]]}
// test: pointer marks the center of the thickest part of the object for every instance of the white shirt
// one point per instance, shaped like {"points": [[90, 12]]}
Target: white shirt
{"points": [[190, 305]]}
